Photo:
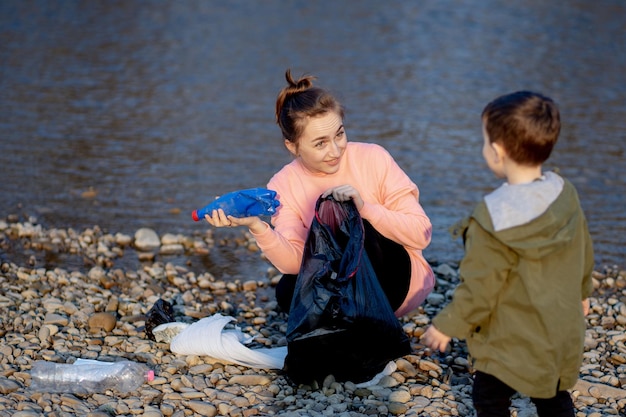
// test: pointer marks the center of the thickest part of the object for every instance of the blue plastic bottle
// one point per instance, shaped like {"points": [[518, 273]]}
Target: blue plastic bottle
{"points": [[242, 203]]}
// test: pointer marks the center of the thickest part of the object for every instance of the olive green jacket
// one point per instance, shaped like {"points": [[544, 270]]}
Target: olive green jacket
{"points": [[519, 303]]}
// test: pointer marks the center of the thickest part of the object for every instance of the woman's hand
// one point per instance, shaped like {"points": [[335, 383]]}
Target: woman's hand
{"points": [[219, 219], [345, 193]]}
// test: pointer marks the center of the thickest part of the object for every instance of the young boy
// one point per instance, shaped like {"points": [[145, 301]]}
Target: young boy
{"points": [[526, 273]]}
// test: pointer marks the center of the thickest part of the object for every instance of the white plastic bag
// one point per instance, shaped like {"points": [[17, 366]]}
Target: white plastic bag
{"points": [[208, 337]]}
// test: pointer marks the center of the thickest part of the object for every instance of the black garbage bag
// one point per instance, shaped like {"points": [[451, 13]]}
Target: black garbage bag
{"points": [[160, 313], [340, 321]]}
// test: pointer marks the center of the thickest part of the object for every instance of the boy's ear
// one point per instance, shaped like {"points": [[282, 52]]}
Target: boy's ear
{"points": [[499, 150]]}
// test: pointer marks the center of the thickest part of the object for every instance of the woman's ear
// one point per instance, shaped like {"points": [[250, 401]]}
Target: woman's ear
{"points": [[291, 147]]}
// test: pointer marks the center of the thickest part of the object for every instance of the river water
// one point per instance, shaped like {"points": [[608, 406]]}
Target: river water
{"points": [[128, 114]]}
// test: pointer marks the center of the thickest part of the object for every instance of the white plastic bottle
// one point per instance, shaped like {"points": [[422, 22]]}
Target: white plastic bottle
{"points": [[87, 376]]}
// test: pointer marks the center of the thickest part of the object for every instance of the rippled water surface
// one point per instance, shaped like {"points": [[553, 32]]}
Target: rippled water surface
{"points": [[131, 114]]}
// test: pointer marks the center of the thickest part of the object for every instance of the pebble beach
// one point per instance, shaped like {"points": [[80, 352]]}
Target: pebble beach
{"points": [[98, 311]]}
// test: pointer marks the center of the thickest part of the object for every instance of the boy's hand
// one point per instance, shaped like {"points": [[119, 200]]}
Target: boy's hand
{"points": [[434, 339], [586, 306]]}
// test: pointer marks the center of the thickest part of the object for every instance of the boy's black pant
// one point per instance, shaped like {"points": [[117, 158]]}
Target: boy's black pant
{"points": [[389, 259], [492, 398]]}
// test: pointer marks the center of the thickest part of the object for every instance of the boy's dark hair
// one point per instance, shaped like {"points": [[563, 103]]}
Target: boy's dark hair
{"points": [[525, 123]]}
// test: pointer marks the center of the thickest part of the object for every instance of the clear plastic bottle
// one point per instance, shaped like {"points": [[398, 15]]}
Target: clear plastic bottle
{"points": [[88, 376]]}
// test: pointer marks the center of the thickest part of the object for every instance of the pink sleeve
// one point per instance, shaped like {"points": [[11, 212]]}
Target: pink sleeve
{"points": [[283, 245], [285, 255], [398, 216]]}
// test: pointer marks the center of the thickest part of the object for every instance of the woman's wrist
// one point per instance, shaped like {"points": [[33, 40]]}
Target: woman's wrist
{"points": [[258, 227]]}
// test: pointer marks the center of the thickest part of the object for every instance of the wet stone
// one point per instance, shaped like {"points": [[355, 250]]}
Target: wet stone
{"points": [[8, 386], [102, 321], [147, 240], [56, 319], [250, 380], [202, 408], [400, 396], [397, 408]]}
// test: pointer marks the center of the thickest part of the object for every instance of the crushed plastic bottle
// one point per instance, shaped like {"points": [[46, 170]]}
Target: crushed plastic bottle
{"points": [[87, 376], [242, 203]]}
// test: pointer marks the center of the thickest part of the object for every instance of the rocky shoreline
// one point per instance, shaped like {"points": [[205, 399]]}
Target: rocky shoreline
{"points": [[97, 311]]}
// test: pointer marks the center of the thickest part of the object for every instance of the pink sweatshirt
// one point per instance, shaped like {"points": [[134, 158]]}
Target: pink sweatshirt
{"points": [[391, 206]]}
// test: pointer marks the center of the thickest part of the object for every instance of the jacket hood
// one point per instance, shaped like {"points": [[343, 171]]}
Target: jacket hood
{"points": [[548, 217]]}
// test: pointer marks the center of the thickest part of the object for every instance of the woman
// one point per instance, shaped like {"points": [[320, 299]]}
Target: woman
{"points": [[325, 163]]}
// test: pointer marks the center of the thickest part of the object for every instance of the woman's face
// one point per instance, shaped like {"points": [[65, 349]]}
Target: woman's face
{"points": [[322, 144]]}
